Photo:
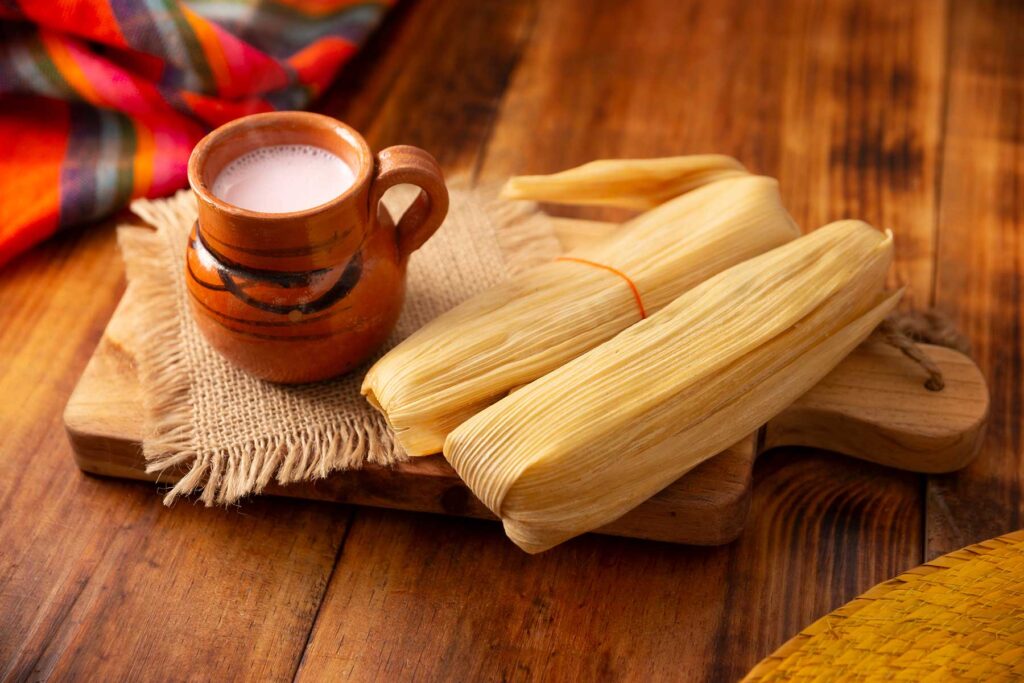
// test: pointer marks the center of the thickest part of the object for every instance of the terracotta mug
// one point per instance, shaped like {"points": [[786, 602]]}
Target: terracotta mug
{"points": [[307, 295]]}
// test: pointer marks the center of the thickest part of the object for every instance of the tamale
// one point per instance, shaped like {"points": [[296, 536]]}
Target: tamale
{"points": [[510, 335], [589, 441], [628, 183]]}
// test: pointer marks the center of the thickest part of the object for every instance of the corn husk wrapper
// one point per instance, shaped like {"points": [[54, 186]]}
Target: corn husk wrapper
{"points": [[591, 440], [628, 183], [506, 337]]}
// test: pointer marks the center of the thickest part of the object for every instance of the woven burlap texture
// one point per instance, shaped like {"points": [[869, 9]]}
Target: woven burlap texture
{"points": [[959, 617], [231, 434]]}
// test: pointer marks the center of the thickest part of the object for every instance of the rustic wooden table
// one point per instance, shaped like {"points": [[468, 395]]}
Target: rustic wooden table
{"points": [[908, 113]]}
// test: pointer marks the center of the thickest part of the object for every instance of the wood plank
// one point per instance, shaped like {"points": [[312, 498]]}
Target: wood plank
{"points": [[96, 577], [773, 83], [981, 262], [861, 123], [425, 598], [434, 77]]}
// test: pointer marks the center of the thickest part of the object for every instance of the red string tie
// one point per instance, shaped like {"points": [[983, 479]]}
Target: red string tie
{"points": [[616, 271]]}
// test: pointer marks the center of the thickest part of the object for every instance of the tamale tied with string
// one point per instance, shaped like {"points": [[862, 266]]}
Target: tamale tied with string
{"points": [[508, 336], [591, 440]]}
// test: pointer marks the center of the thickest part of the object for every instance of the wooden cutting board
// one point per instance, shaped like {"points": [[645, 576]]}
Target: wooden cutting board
{"points": [[873, 406]]}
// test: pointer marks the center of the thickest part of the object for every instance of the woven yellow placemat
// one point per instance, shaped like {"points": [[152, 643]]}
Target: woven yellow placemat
{"points": [[232, 434], [958, 617]]}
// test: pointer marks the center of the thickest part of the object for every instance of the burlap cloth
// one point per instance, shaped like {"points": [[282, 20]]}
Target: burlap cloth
{"points": [[232, 434]]}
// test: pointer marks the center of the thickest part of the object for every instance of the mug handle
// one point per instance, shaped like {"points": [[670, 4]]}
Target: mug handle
{"points": [[407, 164]]}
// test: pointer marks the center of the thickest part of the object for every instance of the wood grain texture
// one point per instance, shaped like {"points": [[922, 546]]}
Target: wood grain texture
{"points": [[860, 123], [981, 262], [434, 77], [96, 580], [843, 101], [435, 598]]}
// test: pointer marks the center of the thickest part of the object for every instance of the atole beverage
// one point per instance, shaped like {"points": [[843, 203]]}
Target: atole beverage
{"points": [[295, 270], [283, 178]]}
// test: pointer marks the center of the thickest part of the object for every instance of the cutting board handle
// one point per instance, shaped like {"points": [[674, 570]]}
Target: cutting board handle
{"points": [[874, 406]]}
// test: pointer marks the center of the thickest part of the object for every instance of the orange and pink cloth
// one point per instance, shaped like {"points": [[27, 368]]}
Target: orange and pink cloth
{"points": [[102, 100]]}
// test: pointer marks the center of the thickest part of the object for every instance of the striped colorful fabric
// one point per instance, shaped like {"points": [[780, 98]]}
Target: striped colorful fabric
{"points": [[103, 100]]}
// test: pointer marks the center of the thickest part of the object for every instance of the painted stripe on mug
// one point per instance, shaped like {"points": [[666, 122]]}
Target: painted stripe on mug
{"points": [[270, 323]]}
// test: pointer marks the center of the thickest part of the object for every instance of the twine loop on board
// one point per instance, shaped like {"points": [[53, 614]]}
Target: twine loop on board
{"points": [[905, 331]]}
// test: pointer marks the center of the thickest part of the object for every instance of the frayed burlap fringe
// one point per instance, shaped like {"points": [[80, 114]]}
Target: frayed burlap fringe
{"points": [[230, 435]]}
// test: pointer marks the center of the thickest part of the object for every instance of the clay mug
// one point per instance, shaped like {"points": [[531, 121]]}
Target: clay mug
{"points": [[306, 295]]}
